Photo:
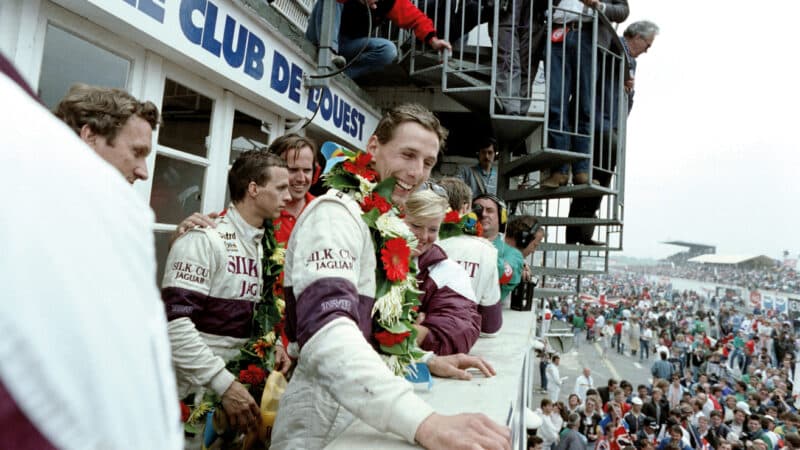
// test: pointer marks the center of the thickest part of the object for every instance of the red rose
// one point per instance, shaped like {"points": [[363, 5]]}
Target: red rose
{"points": [[394, 255], [277, 288], [185, 412], [361, 166], [388, 339], [253, 376], [375, 201], [452, 217]]}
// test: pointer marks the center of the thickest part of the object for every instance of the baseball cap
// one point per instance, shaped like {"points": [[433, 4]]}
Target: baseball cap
{"points": [[637, 401]]}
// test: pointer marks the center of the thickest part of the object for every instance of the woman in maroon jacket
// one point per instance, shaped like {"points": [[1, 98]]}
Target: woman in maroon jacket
{"points": [[449, 321]]}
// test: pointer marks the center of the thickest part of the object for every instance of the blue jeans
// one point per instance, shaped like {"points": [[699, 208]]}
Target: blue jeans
{"points": [[644, 347], [570, 91], [378, 53]]}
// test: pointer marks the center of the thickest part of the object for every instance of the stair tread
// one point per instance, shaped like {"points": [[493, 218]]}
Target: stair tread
{"points": [[573, 191], [538, 160], [555, 221]]}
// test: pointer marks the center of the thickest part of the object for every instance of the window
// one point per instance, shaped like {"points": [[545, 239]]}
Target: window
{"points": [[186, 117], [249, 133], [181, 162], [68, 59]]}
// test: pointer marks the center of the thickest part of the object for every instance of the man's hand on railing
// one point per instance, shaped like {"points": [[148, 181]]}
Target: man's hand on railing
{"points": [[454, 366], [439, 44], [629, 85], [592, 3], [464, 431]]}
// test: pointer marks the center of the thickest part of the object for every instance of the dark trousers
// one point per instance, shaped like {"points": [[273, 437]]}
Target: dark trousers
{"points": [[586, 207], [542, 375]]}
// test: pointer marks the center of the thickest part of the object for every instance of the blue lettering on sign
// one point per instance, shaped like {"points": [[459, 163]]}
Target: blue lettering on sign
{"points": [[286, 77], [153, 8], [243, 49], [254, 58], [234, 56], [345, 116], [209, 43]]}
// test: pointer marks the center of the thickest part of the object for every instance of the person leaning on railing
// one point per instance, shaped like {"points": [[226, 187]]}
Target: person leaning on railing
{"points": [[638, 37], [350, 29], [571, 79]]}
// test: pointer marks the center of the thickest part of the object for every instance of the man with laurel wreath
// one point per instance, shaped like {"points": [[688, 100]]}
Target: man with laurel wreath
{"points": [[331, 285]]}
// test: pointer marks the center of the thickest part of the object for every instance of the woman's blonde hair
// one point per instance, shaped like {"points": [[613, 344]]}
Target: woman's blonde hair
{"points": [[426, 205]]}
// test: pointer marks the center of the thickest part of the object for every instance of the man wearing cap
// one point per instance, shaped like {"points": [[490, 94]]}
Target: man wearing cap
{"points": [[738, 425], [648, 433], [634, 420], [768, 427]]}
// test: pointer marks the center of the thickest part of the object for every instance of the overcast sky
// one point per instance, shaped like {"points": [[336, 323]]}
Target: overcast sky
{"points": [[713, 153]]}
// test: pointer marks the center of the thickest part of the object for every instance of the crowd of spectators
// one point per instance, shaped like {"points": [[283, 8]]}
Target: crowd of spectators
{"points": [[722, 377], [778, 278]]}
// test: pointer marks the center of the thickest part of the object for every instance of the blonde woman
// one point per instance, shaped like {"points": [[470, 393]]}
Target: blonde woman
{"points": [[449, 321]]}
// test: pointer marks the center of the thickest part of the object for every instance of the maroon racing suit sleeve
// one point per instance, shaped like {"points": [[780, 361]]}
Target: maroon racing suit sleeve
{"points": [[491, 318], [452, 321], [451, 313]]}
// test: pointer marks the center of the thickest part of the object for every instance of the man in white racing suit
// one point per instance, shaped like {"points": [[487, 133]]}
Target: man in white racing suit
{"points": [[330, 289], [477, 256], [213, 280]]}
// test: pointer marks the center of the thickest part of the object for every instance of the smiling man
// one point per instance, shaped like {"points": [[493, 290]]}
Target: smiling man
{"points": [[339, 376], [213, 281], [300, 154]]}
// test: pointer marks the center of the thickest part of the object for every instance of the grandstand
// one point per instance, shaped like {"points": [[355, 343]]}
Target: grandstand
{"points": [[735, 261], [692, 250]]}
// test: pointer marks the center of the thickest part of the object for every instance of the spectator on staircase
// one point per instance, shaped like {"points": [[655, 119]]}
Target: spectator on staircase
{"points": [[350, 32]]}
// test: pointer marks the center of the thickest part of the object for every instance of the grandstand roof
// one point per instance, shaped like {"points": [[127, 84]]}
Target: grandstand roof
{"points": [[688, 244], [732, 259]]}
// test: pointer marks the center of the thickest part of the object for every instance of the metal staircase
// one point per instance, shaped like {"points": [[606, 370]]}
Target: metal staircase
{"points": [[470, 75]]}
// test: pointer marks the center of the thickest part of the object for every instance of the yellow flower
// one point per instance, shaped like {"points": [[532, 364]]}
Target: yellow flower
{"points": [[365, 186], [269, 338], [278, 255], [280, 304]]}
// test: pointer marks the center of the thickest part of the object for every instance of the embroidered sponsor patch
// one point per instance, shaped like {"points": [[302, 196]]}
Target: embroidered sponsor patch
{"points": [[189, 272], [331, 258], [336, 303]]}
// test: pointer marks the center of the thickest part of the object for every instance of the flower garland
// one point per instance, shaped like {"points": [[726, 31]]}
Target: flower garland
{"points": [[396, 295], [453, 225]]}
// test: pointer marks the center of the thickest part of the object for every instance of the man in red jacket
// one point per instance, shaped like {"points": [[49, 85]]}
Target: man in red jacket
{"points": [[351, 29]]}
